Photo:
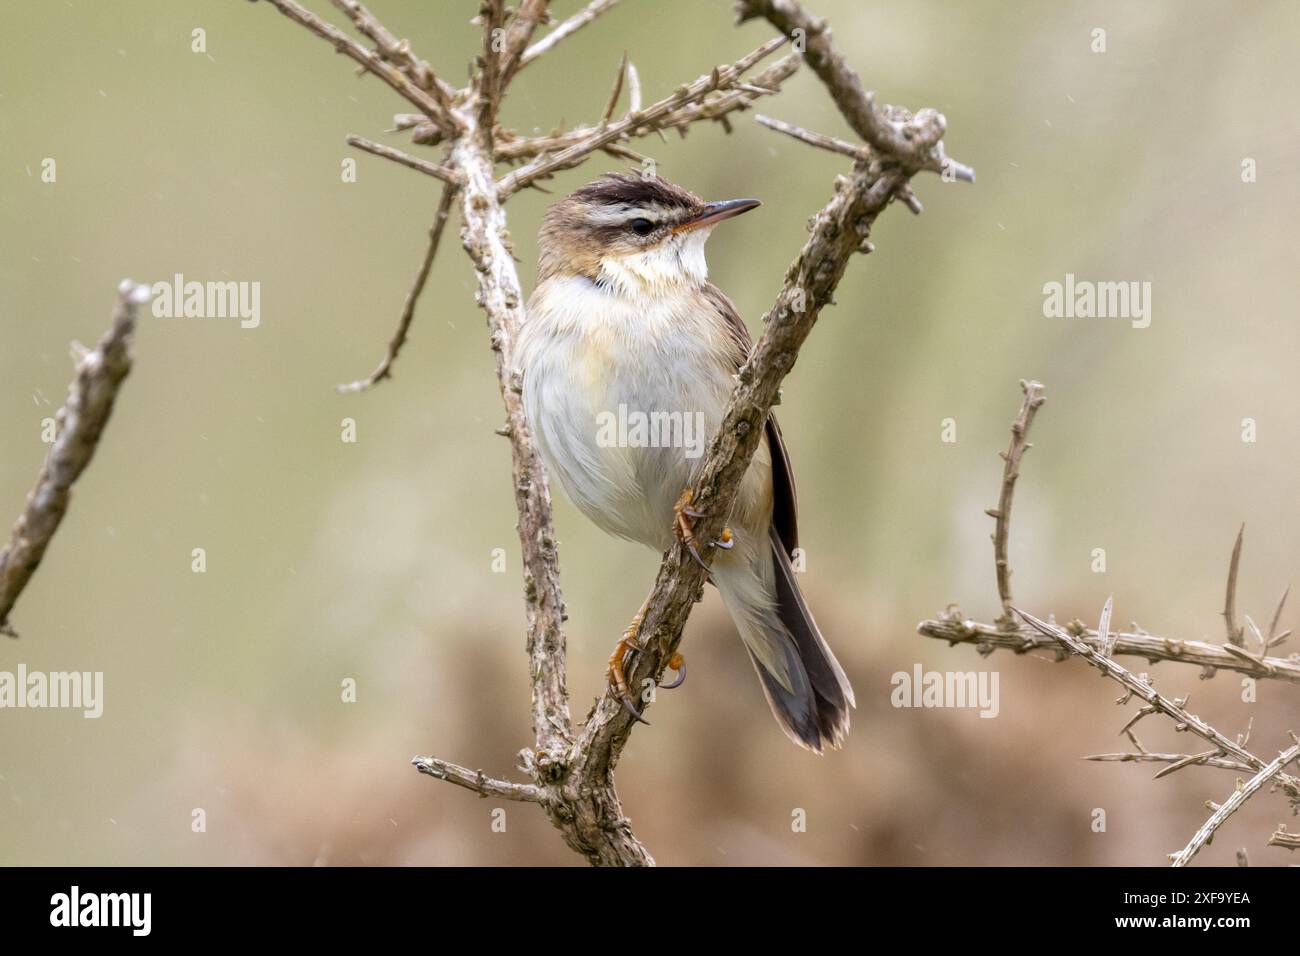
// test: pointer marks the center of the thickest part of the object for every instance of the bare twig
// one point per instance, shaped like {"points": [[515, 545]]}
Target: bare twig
{"points": [[819, 140], [883, 133], [509, 148], [449, 176], [718, 107], [1015, 637], [476, 781], [80, 423], [398, 52], [712, 108], [1034, 398], [487, 80], [567, 28], [385, 368], [371, 60], [1280, 837], [1240, 795], [530, 15], [1174, 760], [721, 78]]}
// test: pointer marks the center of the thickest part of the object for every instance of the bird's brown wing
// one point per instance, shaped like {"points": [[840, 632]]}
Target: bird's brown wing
{"points": [[785, 517]]}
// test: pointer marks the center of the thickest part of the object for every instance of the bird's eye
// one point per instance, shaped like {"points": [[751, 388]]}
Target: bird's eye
{"points": [[642, 227]]}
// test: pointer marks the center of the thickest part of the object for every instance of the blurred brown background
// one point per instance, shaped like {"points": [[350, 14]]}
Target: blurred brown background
{"points": [[372, 560]]}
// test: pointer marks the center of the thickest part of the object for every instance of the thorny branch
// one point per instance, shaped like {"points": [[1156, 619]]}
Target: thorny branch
{"points": [[449, 176], [570, 26], [1010, 634], [79, 423], [721, 78], [1282, 838], [956, 629], [819, 140], [374, 61], [917, 146], [1155, 702], [1184, 720], [1098, 648], [477, 781], [707, 108], [1034, 398], [398, 53], [1240, 795], [573, 776]]}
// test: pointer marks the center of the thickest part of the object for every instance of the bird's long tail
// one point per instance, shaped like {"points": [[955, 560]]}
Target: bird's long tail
{"points": [[803, 682]]}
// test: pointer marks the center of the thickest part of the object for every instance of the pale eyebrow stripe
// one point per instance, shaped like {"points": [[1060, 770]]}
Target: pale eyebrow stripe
{"points": [[620, 214], [608, 216]]}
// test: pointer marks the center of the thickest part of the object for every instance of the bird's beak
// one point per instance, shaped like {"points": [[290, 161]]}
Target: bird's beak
{"points": [[715, 212]]}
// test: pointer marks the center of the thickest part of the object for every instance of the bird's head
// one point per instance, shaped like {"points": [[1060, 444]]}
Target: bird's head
{"points": [[637, 235]]}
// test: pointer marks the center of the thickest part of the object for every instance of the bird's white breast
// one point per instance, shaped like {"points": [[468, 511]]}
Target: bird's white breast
{"points": [[588, 352]]}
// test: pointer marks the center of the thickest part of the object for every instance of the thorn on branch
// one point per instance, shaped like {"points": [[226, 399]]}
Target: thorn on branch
{"points": [[1230, 598], [443, 173]]}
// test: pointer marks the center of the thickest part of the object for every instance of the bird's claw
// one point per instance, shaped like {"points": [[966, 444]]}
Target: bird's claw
{"points": [[676, 663], [626, 701], [617, 676], [684, 517]]}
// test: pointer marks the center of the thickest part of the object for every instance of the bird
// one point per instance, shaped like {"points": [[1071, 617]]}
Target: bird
{"points": [[623, 332]]}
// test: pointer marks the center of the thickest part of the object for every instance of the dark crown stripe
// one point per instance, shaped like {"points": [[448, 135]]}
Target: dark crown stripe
{"points": [[624, 188]]}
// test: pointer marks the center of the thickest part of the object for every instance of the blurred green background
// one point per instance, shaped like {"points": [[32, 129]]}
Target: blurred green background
{"points": [[372, 560]]}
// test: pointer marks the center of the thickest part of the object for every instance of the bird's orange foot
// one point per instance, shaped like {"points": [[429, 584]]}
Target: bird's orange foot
{"points": [[676, 663], [617, 675], [684, 517]]}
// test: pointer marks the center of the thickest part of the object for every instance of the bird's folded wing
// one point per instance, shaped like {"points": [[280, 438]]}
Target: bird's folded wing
{"points": [[784, 505]]}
